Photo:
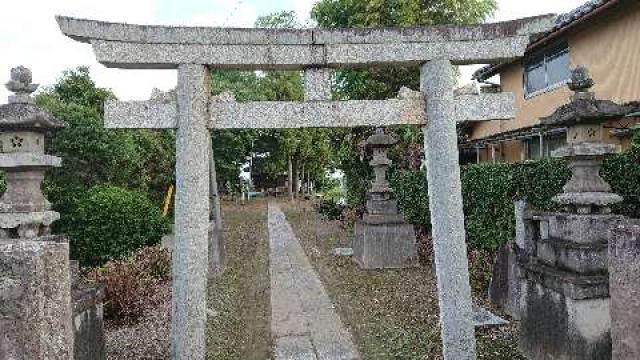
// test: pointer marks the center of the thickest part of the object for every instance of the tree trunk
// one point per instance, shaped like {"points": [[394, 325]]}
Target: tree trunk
{"points": [[290, 178], [304, 178], [297, 180]]}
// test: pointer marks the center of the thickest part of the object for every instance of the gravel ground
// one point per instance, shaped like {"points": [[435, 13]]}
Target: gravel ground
{"points": [[146, 340], [392, 314]]}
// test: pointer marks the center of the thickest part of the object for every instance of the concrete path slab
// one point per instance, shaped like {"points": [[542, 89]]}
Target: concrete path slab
{"points": [[303, 319]]}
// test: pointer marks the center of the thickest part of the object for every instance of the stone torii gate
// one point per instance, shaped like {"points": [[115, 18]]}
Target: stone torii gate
{"points": [[192, 50]]}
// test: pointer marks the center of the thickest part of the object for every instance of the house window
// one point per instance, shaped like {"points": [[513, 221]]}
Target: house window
{"points": [[547, 70], [550, 142]]}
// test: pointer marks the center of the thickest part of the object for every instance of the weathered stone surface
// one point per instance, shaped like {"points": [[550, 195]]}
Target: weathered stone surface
{"points": [[89, 342], [385, 245], [434, 33], [123, 45], [505, 286], [140, 115], [524, 227], [129, 55], [624, 284], [35, 300], [303, 319], [406, 54], [25, 195], [317, 84], [216, 250], [217, 259], [481, 107], [189, 302], [581, 229], [554, 326], [22, 160], [586, 149], [228, 114], [575, 257], [86, 30], [599, 199], [485, 319], [25, 115], [447, 218], [28, 225]]}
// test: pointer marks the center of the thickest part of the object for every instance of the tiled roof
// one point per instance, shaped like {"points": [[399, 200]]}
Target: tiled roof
{"points": [[562, 21]]}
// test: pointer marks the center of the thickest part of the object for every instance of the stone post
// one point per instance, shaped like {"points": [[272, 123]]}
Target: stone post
{"points": [[624, 288], [189, 303], [445, 202]]}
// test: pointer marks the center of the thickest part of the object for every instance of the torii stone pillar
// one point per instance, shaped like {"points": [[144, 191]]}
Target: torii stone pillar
{"points": [[437, 82], [216, 236], [189, 302]]}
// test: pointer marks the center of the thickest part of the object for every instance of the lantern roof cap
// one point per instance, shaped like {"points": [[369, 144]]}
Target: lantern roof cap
{"points": [[584, 108]]}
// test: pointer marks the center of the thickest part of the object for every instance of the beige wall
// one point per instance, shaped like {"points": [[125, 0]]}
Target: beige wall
{"points": [[609, 46]]}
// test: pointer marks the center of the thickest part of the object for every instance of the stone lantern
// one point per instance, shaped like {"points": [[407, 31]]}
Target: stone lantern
{"points": [[383, 239], [564, 255], [586, 192], [35, 282], [24, 211]]}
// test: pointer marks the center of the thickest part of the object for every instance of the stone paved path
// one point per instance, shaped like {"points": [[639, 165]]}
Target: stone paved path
{"points": [[303, 320]]}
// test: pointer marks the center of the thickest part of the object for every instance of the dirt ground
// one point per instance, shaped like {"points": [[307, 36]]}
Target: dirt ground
{"points": [[239, 327], [239, 308], [392, 314]]}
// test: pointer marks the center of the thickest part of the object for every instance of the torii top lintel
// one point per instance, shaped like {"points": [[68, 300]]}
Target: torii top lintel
{"points": [[148, 46]]}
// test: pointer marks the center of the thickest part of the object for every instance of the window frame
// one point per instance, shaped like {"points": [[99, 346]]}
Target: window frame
{"points": [[544, 56]]}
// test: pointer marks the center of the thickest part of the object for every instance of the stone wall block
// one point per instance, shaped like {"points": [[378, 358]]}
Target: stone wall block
{"points": [[35, 301], [624, 283]]}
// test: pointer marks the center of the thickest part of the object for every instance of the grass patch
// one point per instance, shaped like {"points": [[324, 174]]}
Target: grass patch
{"points": [[392, 314], [239, 300]]}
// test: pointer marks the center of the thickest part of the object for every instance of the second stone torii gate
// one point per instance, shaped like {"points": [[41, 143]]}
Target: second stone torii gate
{"points": [[193, 50]]}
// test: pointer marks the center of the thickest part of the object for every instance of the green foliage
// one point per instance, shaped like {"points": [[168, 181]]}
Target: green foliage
{"points": [[278, 20], [488, 192], [411, 191], [135, 159], [385, 82], [330, 209], [109, 222], [400, 13], [76, 86], [623, 174]]}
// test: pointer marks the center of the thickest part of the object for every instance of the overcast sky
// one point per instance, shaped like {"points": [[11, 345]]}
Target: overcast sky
{"points": [[29, 34]]}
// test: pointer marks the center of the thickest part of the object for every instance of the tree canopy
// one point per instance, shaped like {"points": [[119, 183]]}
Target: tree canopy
{"points": [[385, 82]]}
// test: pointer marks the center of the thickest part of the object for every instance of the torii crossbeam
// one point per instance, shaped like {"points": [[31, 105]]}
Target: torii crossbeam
{"points": [[192, 50]]}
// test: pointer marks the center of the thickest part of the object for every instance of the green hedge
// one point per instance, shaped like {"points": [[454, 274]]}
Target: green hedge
{"points": [[109, 222], [489, 190]]}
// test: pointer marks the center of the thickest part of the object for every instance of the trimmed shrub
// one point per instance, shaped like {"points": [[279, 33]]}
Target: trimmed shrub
{"points": [[488, 192], [109, 222], [410, 189], [331, 209], [623, 173]]}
